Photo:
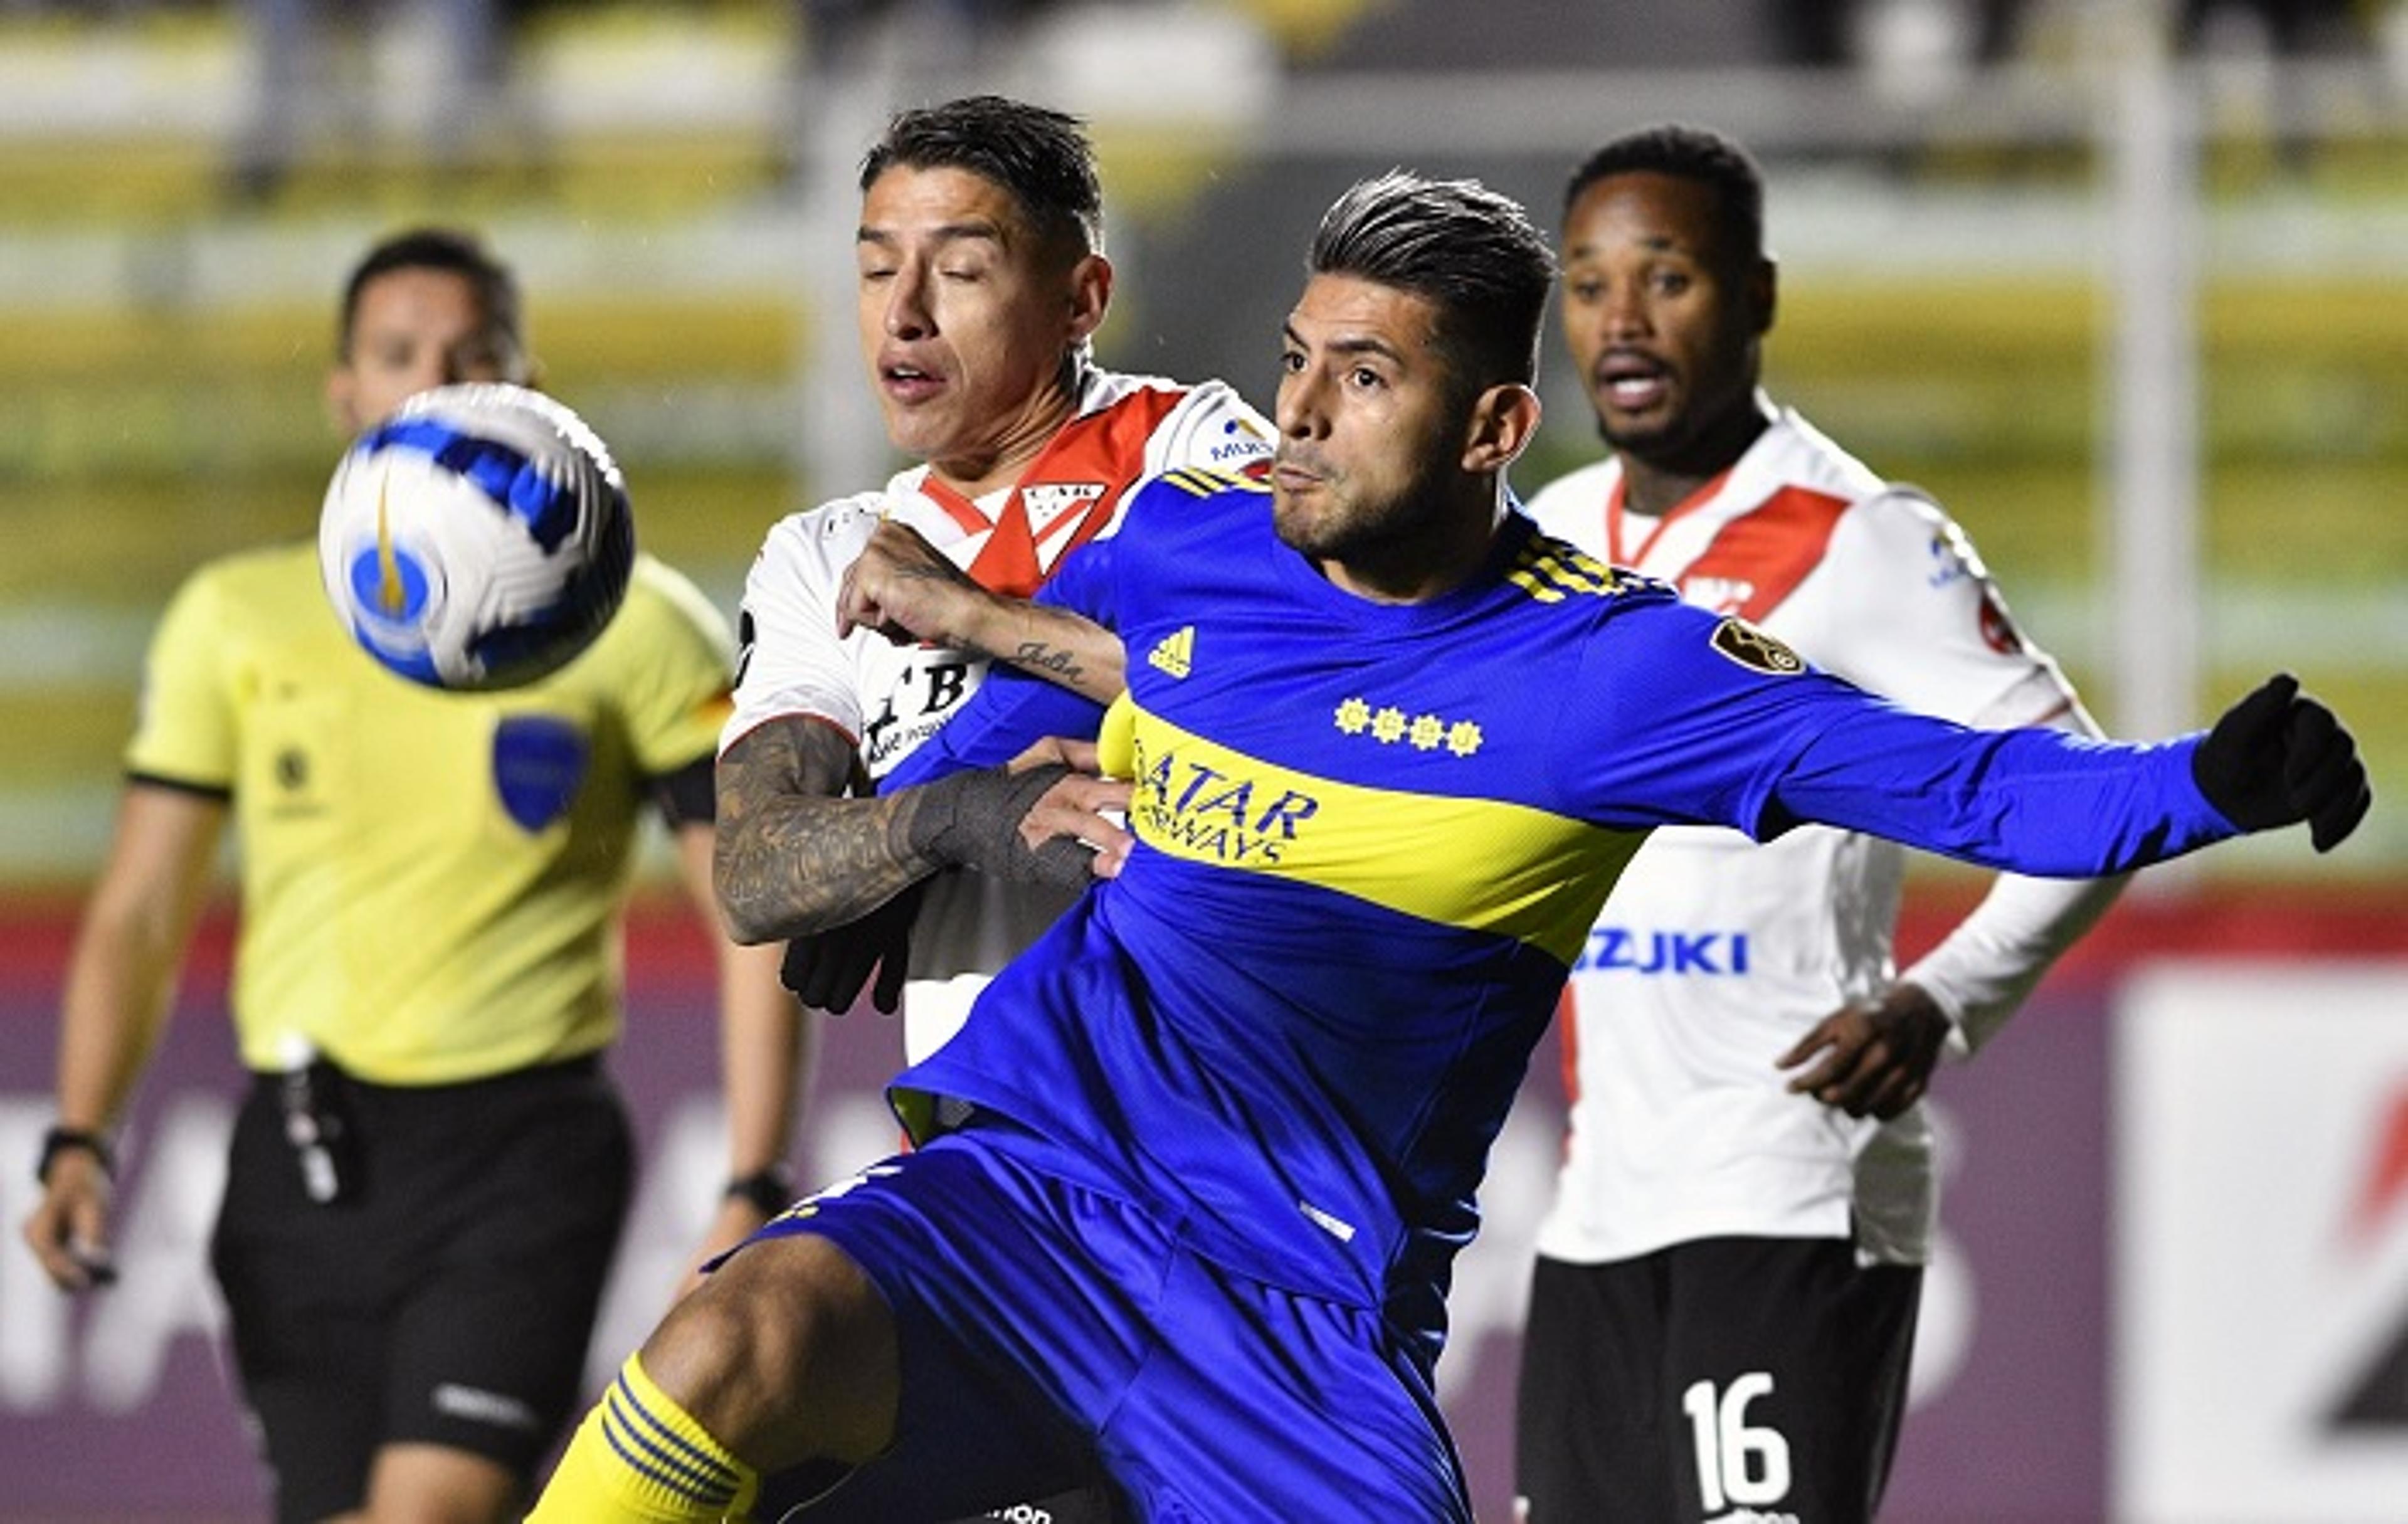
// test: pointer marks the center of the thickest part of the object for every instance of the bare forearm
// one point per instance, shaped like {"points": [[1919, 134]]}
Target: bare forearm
{"points": [[768, 1057], [905, 588], [129, 948], [1054, 645], [793, 858], [767, 1050], [113, 1012]]}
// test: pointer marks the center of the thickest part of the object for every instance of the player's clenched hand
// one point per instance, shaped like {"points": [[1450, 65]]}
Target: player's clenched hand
{"points": [[1876, 1057], [2279, 757], [904, 588], [826, 970], [1085, 808], [68, 1230]]}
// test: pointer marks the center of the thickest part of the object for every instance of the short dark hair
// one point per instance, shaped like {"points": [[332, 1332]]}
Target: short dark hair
{"points": [[1692, 153], [453, 249], [1470, 251], [1041, 157]]}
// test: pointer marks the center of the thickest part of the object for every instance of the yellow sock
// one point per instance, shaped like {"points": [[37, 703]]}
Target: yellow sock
{"points": [[640, 1459]]}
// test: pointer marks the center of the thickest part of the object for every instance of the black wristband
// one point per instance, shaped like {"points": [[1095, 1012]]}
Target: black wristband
{"points": [[973, 819], [68, 1139], [768, 1191]]}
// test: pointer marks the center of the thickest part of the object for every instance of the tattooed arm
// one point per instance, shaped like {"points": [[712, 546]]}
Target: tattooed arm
{"points": [[791, 857], [794, 855], [903, 587]]}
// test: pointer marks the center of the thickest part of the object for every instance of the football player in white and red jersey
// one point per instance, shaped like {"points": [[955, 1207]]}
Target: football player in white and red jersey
{"points": [[981, 279], [1724, 1306]]}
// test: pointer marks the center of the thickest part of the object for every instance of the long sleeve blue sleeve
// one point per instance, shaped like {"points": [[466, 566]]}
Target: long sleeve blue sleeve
{"points": [[1010, 713], [1672, 727], [2031, 801]]}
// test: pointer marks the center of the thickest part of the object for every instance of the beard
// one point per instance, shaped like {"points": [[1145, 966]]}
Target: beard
{"points": [[1341, 520]]}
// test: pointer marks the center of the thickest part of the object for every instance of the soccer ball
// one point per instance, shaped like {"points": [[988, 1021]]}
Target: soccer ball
{"points": [[479, 538]]}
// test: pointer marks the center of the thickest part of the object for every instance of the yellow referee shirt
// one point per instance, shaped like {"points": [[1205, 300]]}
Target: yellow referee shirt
{"points": [[430, 882]]}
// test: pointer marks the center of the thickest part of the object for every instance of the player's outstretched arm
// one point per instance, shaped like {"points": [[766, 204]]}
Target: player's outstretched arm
{"points": [[791, 859], [904, 588], [2042, 803], [2278, 757], [2275, 758]]}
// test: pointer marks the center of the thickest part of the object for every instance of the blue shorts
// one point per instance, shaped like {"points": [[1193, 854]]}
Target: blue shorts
{"points": [[1053, 1333]]}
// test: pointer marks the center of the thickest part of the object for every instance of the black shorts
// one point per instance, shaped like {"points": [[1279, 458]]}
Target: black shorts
{"points": [[1726, 1378], [449, 1301]]}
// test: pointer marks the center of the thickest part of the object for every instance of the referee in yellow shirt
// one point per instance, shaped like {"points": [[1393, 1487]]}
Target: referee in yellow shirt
{"points": [[429, 1175]]}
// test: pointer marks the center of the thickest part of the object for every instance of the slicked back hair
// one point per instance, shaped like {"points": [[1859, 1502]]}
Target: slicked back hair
{"points": [[455, 252], [1469, 250], [1040, 156], [1691, 153]]}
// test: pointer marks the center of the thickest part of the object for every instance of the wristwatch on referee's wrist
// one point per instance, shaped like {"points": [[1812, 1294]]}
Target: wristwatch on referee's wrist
{"points": [[768, 1191], [59, 1141]]}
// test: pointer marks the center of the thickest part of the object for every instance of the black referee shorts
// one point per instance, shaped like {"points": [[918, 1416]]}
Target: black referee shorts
{"points": [[449, 1300], [1728, 1378]]}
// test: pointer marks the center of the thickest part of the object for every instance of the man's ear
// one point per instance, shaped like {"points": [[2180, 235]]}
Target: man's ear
{"points": [[1764, 294], [1503, 419], [1091, 292]]}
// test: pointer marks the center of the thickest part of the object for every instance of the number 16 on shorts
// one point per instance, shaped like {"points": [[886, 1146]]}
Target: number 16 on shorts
{"points": [[1738, 1465]]}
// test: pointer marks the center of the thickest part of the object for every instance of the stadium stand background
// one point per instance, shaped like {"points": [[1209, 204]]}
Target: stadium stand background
{"points": [[1977, 203]]}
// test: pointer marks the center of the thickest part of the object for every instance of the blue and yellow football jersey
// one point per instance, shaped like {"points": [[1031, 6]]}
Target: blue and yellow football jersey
{"points": [[1371, 837]]}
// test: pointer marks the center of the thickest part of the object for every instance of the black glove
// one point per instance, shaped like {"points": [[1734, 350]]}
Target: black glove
{"points": [[828, 969], [974, 818], [2279, 757]]}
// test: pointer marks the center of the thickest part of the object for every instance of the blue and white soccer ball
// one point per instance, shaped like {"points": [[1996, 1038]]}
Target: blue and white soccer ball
{"points": [[479, 538]]}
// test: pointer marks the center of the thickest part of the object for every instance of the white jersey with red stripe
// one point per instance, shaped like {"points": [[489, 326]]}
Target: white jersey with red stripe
{"points": [[1714, 955], [888, 698]]}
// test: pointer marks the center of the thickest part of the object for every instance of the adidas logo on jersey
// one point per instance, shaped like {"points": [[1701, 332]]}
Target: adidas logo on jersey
{"points": [[1175, 652]]}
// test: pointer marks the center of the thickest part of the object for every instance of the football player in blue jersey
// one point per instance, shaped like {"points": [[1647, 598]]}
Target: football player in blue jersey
{"points": [[1192, 1176]]}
